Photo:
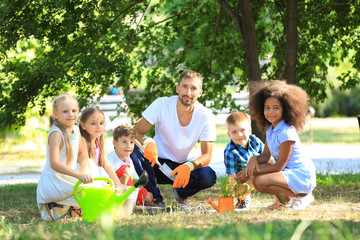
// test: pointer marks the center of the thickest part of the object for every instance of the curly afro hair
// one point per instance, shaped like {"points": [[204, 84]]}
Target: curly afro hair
{"points": [[294, 100]]}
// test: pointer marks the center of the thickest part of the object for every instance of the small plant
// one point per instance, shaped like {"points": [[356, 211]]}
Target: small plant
{"points": [[236, 190], [225, 190]]}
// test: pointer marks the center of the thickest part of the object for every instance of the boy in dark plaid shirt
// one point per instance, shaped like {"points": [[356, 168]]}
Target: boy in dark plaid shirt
{"points": [[241, 147]]}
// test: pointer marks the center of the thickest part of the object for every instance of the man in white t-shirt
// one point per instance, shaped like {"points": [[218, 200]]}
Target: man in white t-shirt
{"points": [[180, 121]]}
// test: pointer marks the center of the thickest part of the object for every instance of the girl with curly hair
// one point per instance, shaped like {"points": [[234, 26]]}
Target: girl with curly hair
{"points": [[280, 109]]}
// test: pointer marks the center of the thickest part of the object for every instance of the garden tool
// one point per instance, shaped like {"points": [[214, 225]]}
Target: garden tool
{"points": [[165, 169]]}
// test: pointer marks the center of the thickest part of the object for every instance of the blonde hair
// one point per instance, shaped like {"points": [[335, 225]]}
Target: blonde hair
{"points": [[100, 140], [67, 141], [236, 117]]}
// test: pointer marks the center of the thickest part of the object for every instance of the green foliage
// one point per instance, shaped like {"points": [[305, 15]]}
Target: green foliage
{"points": [[48, 47], [74, 48], [225, 190], [340, 179], [339, 103]]}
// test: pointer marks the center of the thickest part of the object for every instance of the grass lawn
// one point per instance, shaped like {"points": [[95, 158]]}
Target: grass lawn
{"points": [[334, 215]]}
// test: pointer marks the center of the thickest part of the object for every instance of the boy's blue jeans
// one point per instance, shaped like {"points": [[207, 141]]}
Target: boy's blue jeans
{"points": [[200, 179]]}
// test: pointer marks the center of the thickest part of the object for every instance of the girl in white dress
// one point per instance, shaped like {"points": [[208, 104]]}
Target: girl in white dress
{"points": [[281, 109], [64, 151]]}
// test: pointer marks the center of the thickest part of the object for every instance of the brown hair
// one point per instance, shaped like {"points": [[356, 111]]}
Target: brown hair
{"points": [[190, 74], [123, 130], [86, 113], [294, 100], [66, 135], [236, 117]]}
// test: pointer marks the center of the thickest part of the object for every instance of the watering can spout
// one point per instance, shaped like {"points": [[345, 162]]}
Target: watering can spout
{"points": [[213, 204], [143, 180]]}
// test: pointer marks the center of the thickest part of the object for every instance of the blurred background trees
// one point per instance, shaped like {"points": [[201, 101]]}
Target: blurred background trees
{"points": [[141, 47]]}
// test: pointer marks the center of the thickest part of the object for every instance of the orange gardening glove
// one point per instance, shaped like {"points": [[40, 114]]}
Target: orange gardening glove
{"points": [[182, 175], [151, 152]]}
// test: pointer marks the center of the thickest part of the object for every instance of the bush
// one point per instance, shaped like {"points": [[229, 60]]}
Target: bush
{"points": [[339, 103]]}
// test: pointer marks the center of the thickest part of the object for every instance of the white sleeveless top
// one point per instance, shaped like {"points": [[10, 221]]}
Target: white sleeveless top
{"points": [[54, 186]]}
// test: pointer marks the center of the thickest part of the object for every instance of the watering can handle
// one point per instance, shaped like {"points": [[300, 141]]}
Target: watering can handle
{"points": [[78, 199]]}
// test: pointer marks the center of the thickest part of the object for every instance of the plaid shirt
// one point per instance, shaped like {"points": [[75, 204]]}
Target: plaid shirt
{"points": [[236, 157]]}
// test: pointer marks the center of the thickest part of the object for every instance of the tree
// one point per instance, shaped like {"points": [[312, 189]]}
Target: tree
{"points": [[86, 46]]}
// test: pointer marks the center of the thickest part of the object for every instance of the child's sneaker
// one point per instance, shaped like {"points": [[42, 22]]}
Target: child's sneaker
{"points": [[300, 203], [244, 204], [276, 206]]}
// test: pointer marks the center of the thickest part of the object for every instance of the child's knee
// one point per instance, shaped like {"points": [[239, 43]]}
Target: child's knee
{"points": [[258, 183]]}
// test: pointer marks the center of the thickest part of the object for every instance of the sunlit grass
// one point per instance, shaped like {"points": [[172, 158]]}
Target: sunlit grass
{"points": [[333, 135], [334, 215]]}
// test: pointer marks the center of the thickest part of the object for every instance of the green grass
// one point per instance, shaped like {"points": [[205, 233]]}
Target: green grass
{"points": [[331, 135], [334, 215]]}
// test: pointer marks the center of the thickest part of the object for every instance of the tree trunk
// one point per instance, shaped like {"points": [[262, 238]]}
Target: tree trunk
{"points": [[244, 22], [291, 42]]}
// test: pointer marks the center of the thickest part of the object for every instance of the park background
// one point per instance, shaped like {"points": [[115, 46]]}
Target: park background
{"points": [[137, 49]]}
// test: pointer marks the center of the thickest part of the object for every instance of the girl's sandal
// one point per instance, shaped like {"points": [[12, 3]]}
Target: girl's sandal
{"points": [[59, 216], [75, 211], [275, 206], [50, 206]]}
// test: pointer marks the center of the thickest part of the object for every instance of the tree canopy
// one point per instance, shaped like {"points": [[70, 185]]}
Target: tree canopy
{"points": [[48, 47]]}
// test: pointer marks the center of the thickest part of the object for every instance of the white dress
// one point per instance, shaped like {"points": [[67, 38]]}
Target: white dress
{"points": [[54, 186]]}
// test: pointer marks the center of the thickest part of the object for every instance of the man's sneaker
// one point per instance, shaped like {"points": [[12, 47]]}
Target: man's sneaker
{"points": [[182, 204], [178, 199], [300, 203], [276, 206]]}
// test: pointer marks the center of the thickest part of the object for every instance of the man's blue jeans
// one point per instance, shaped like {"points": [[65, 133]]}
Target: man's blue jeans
{"points": [[200, 179]]}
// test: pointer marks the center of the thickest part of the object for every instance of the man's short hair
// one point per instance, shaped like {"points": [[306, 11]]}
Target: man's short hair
{"points": [[190, 74]]}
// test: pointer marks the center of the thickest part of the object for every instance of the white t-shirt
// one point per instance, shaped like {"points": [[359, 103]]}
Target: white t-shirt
{"points": [[116, 162], [174, 141]]}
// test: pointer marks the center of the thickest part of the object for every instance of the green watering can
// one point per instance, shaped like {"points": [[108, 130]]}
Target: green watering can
{"points": [[95, 201]]}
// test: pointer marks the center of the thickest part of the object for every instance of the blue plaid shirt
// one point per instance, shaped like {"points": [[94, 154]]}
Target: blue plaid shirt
{"points": [[236, 157]]}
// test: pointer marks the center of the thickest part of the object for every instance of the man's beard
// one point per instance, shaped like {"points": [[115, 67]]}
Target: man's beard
{"points": [[187, 104]]}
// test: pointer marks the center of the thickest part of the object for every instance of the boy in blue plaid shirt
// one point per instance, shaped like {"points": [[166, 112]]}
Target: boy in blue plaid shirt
{"points": [[241, 147]]}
